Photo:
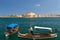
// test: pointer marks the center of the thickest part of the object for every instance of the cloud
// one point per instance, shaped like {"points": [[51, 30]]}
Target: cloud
{"points": [[37, 5]]}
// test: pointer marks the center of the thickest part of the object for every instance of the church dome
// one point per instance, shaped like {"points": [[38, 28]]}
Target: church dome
{"points": [[30, 13]]}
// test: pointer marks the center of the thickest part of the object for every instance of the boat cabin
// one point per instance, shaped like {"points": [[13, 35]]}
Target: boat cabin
{"points": [[12, 27]]}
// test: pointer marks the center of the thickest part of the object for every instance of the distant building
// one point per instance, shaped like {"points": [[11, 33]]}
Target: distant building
{"points": [[19, 16], [15, 15], [48, 15], [30, 15]]}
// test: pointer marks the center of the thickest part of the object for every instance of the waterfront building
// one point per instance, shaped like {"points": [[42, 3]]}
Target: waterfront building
{"points": [[15, 15], [19, 16], [30, 15], [48, 15]]}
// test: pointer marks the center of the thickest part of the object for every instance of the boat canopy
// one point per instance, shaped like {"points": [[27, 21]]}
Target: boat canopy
{"points": [[37, 27], [11, 26]]}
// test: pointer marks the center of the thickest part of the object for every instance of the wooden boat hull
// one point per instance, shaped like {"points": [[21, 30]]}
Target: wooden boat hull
{"points": [[7, 33], [37, 36]]}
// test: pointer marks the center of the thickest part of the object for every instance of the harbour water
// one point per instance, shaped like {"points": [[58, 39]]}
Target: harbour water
{"points": [[25, 23]]}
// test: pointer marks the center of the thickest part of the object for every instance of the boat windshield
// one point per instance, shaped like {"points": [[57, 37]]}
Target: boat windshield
{"points": [[37, 27]]}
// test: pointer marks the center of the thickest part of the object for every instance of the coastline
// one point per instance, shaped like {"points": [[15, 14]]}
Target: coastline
{"points": [[29, 17]]}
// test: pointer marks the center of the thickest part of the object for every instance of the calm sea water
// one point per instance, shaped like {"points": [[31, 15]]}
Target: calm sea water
{"points": [[25, 23]]}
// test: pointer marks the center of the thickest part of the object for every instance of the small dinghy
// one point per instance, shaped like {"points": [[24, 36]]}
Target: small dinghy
{"points": [[11, 29]]}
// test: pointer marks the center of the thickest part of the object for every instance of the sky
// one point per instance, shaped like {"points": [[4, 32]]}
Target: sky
{"points": [[8, 7]]}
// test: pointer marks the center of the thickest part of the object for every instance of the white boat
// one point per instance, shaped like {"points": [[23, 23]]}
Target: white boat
{"points": [[38, 36]]}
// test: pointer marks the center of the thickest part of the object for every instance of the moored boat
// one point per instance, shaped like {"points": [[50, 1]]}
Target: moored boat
{"points": [[11, 29], [38, 35]]}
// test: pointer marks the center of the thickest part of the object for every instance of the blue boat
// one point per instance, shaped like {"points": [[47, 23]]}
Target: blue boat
{"points": [[11, 29]]}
